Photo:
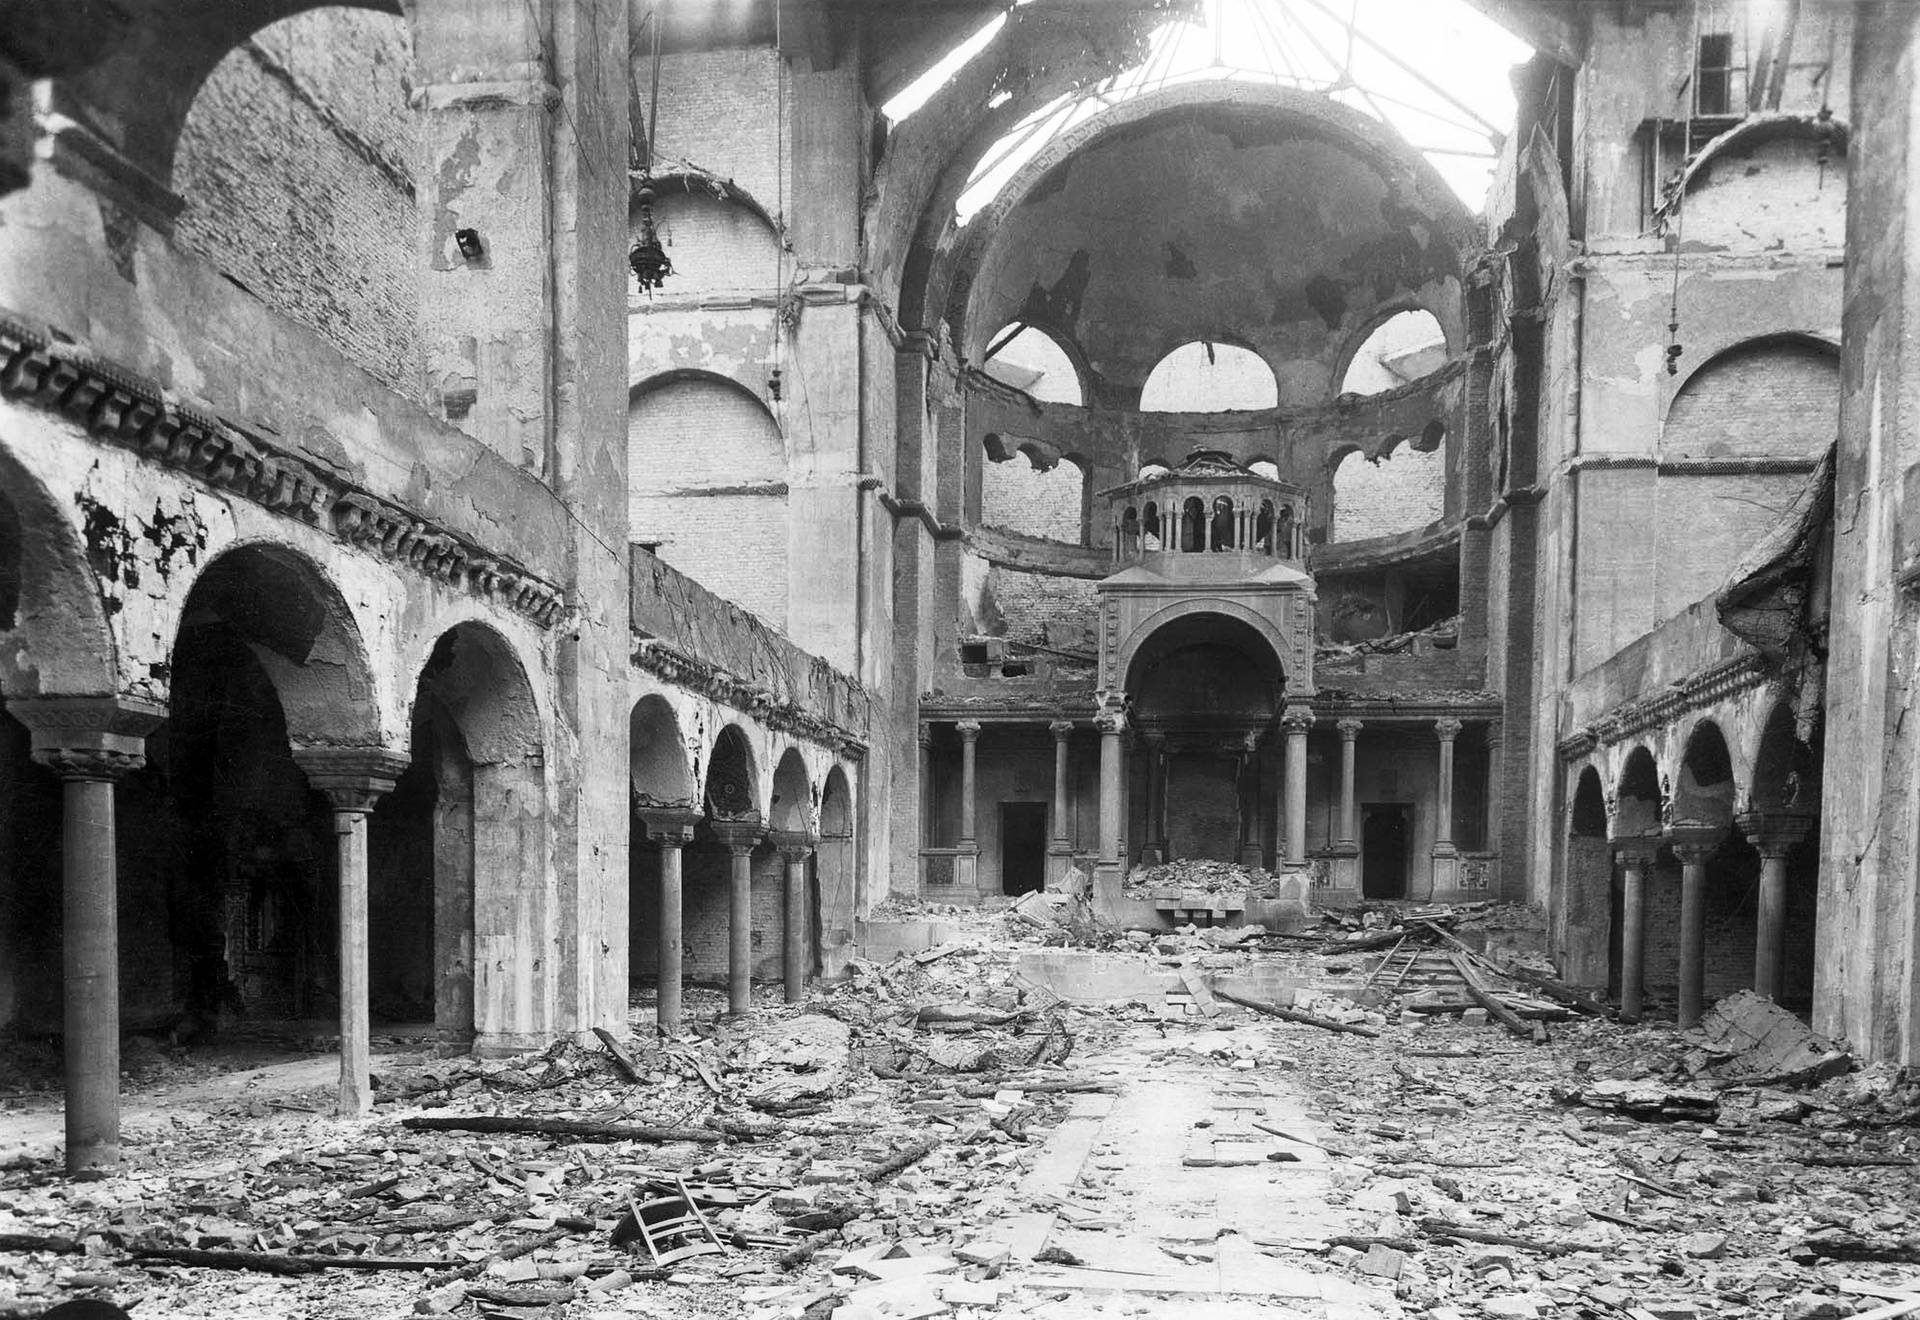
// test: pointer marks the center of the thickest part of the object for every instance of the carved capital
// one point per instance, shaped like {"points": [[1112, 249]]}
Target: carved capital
{"points": [[1061, 730], [353, 778], [88, 737], [1297, 719], [1636, 852], [741, 835], [1110, 711], [1774, 833], [969, 730], [794, 845], [1447, 728], [669, 825], [1349, 728], [1694, 841]]}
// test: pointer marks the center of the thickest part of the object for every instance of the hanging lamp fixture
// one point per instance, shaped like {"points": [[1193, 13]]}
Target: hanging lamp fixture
{"points": [[648, 257]]}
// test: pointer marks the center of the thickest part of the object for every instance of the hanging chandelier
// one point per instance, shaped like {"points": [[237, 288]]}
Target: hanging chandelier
{"points": [[649, 260]]}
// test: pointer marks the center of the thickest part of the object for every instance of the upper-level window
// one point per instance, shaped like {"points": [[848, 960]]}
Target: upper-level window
{"points": [[1205, 376], [1402, 348], [1028, 358]]}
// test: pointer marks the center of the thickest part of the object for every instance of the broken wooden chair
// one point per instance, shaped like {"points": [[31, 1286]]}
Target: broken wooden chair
{"points": [[673, 1227]]}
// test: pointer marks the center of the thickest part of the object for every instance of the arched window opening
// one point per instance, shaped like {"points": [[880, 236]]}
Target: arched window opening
{"points": [[297, 166], [1018, 495], [1130, 529], [1284, 534], [1222, 538], [1029, 359], [1401, 349], [1402, 492], [1193, 525], [1774, 398], [1263, 527], [1151, 538], [1204, 376]]}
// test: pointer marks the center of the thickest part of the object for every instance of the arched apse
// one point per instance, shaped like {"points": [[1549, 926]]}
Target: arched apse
{"points": [[1399, 350], [1400, 491], [1208, 376], [707, 482], [1022, 493], [477, 727], [716, 244], [1769, 398], [1201, 681], [297, 165], [1032, 360], [1589, 916]]}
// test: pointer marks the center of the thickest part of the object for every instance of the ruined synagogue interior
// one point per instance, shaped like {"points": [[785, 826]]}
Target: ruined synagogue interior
{"points": [[892, 658]]}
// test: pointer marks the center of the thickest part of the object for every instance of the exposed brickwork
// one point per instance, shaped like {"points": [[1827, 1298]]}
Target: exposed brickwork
{"points": [[708, 473], [717, 247], [1777, 194], [1405, 491], [723, 115], [1026, 602], [1021, 498], [296, 166], [1769, 400]]}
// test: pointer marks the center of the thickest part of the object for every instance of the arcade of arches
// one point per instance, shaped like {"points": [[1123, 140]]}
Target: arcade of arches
{"points": [[381, 653]]}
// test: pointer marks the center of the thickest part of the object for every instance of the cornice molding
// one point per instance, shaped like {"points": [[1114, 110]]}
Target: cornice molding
{"points": [[673, 666], [1695, 692], [118, 407]]}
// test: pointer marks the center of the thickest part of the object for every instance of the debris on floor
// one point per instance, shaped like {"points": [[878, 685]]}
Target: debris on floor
{"points": [[946, 1133]]}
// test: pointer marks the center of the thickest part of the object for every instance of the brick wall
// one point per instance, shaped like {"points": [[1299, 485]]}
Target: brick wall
{"points": [[1768, 400], [718, 110], [1185, 381], [1019, 497], [296, 165], [1404, 491], [707, 479], [716, 246], [1025, 603], [707, 872], [1776, 194]]}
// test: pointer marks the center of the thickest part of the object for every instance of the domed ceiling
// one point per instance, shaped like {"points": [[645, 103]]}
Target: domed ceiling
{"points": [[1282, 229]]}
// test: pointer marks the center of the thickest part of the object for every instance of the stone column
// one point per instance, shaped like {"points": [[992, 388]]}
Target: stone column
{"points": [[1349, 732], [1279, 804], [91, 743], [1693, 844], [1153, 847], [1111, 720], [672, 828], [966, 866], [1636, 859], [1296, 721], [354, 779], [1060, 847], [741, 836], [1446, 857], [927, 836], [1249, 786], [796, 847], [1774, 835]]}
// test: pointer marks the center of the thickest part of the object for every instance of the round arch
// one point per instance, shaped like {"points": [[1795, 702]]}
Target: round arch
{"points": [[658, 769], [1210, 375], [1588, 816], [791, 809], [54, 635], [835, 869], [1786, 771], [1586, 919], [641, 389], [1039, 361], [1123, 661], [301, 629], [1381, 319], [1704, 785], [1640, 804], [731, 788]]}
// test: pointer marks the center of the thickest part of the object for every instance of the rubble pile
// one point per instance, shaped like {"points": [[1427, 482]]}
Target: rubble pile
{"points": [[1197, 875], [918, 1141]]}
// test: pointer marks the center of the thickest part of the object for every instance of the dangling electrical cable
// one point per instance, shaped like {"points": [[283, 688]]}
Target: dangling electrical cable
{"points": [[779, 203], [1680, 204]]}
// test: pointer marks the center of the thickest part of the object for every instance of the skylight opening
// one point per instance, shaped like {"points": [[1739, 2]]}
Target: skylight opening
{"points": [[1434, 70], [918, 92]]}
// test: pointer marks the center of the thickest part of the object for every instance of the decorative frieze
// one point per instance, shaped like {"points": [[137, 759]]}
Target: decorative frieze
{"points": [[1696, 692], [118, 408], [673, 666]]}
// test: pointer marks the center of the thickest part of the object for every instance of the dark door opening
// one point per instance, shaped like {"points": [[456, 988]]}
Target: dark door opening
{"points": [[1383, 850], [1023, 847]]}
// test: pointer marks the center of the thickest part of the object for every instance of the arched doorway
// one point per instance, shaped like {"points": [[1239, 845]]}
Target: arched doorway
{"points": [[1784, 828], [1589, 923], [661, 781], [1717, 926], [1206, 689], [733, 881], [796, 834], [835, 871]]}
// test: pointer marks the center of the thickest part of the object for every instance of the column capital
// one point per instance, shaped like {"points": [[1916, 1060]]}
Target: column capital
{"points": [[1349, 728], [1774, 833], [1111, 718], [673, 825], [969, 730], [1447, 728], [926, 735], [1692, 841], [1636, 852], [1297, 719], [741, 834], [100, 738], [1061, 730], [353, 778], [794, 845]]}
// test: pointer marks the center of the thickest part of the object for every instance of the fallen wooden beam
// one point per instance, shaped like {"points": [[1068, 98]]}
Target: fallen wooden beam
{"points": [[1436, 1227], [912, 1155], [268, 1262], [618, 1053], [557, 1127], [1294, 1015], [1500, 1013], [65, 1246]]}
